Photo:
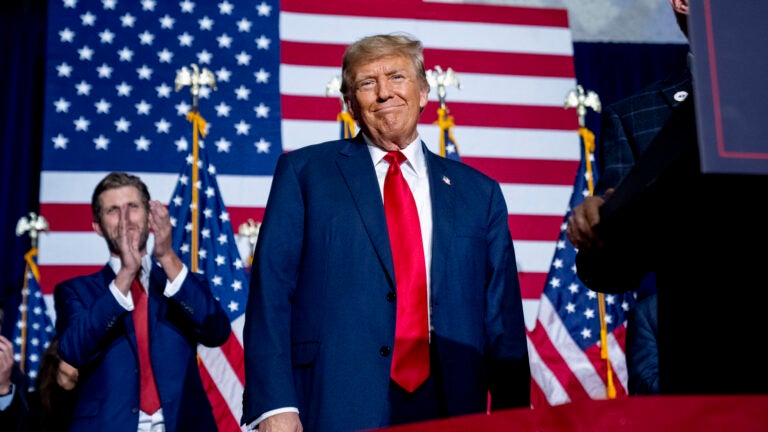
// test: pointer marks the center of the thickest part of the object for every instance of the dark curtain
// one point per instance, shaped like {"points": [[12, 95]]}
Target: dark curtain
{"points": [[617, 70], [22, 44]]}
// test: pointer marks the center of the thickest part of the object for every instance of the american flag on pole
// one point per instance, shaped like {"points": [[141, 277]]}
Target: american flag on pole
{"points": [[218, 257], [575, 349], [34, 329], [111, 105]]}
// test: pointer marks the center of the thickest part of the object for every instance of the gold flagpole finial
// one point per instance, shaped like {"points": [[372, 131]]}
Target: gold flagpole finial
{"points": [[250, 229], [440, 79], [32, 224], [582, 100], [333, 88], [195, 79]]}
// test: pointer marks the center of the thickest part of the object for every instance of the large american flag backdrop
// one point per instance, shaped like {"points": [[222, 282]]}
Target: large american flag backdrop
{"points": [[111, 105]]}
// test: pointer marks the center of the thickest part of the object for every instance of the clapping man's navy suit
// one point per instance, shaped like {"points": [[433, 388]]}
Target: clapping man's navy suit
{"points": [[97, 330]]}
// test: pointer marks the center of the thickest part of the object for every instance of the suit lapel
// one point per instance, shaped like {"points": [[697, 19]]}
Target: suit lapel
{"points": [[442, 192], [359, 175]]}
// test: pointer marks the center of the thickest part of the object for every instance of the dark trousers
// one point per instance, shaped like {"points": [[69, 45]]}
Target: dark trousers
{"points": [[428, 402]]}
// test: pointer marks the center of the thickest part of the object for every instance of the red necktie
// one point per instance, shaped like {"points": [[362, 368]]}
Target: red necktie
{"points": [[149, 400], [410, 359]]}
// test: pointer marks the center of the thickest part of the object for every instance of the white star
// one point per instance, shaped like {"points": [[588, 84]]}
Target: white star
{"points": [[571, 308], [81, 124], [109, 4], [66, 35], [88, 19], [209, 192], [125, 54], [165, 56], [242, 92], [106, 36], [202, 253], [128, 20], [163, 126], [225, 8], [243, 59], [262, 145], [83, 88], [216, 280], [185, 39], [220, 260], [182, 108], [589, 313], [224, 41], [181, 144], [207, 212], [204, 57], [573, 288], [262, 111], [123, 89], [187, 6], [144, 72], [85, 53], [122, 125], [142, 108], [586, 333], [142, 144], [163, 90], [242, 127], [233, 306], [104, 71], [557, 263], [264, 9], [224, 216], [167, 22], [244, 25], [222, 110], [101, 142], [64, 70], [61, 105], [222, 239], [222, 75], [554, 282], [148, 5], [205, 23], [262, 76], [204, 92], [262, 42], [60, 141], [222, 145], [146, 38]]}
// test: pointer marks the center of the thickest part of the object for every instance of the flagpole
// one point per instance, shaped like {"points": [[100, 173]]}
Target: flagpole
{"points": [[195, 78], [582, 100], [34, 224], [347, 122], [440, 79]]}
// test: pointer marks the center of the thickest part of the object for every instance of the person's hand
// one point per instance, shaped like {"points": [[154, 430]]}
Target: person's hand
{"points": [[6, 364], [128, 238], [283, 422], [160, 225], [582, 222]]}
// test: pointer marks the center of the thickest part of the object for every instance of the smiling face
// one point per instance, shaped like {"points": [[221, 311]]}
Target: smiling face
{"points": [[387, 100]]}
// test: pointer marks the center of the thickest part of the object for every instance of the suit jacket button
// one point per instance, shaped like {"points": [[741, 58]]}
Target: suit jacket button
{"points": [[391, 297], [385, 350]]}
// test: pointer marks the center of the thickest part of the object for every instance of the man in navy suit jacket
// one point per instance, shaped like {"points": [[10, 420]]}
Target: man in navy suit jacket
{"points": [[96, 327], [320, 321]]}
